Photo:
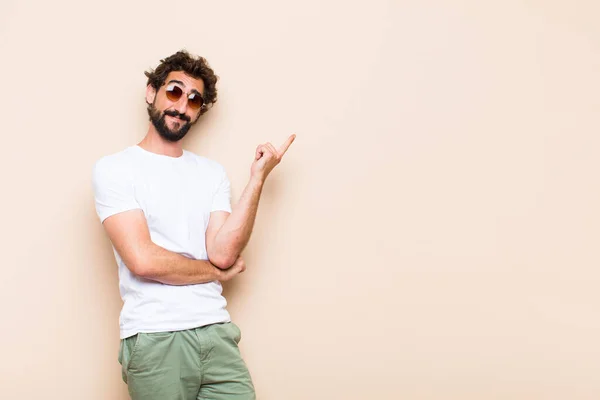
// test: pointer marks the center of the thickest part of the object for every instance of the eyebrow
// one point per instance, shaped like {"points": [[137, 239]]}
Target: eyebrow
{"points": [[183, 84]]}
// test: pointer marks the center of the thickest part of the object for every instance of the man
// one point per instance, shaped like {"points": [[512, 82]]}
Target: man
{"points": [[175, 239]]}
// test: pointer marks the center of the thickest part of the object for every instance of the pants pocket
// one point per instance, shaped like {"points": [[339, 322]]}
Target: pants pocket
{"points": [[120, 356], [237, 332], [127, 351]]}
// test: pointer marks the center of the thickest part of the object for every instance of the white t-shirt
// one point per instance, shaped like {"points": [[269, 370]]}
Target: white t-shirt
{"points": [[177, 195]]}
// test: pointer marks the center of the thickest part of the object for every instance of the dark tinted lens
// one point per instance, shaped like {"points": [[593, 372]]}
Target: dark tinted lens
{"points": [[174, 93], [195, 100]]}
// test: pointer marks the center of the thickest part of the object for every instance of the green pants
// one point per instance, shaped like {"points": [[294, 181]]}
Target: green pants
{"points": [[195, 364]]}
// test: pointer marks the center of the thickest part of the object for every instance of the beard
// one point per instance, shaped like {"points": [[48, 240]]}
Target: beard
{"points": [[158, 120]]}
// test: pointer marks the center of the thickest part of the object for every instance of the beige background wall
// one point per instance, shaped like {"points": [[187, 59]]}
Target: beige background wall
{"points": [[432, 233]]}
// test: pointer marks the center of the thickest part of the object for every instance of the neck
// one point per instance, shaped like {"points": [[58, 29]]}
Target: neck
{"points": [[154, 143]]}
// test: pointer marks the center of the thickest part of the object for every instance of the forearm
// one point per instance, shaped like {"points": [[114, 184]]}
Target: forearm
{"points": [[235, 233], [161, 265]]}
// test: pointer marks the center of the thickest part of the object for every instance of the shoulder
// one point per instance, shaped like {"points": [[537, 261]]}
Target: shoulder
{"points": [[117, 164]]}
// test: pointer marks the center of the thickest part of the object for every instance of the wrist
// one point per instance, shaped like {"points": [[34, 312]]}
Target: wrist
{"points": [[257, 180], [217, 273], [214, 272]]}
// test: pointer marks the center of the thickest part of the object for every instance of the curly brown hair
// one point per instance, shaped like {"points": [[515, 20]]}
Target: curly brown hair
{"points": [[196, 67]]}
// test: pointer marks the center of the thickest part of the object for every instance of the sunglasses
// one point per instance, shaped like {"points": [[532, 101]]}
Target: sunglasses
{"points": [[194, 99]]}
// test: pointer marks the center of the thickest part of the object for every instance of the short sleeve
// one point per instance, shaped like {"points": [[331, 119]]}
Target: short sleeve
{"points": [[222, 198], [113, 189]]}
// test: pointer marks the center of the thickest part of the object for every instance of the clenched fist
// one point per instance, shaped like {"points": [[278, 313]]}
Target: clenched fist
{"points": [[237, 268], [267, 157]]}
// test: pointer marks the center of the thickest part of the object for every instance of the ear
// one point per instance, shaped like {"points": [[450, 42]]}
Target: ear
{"points": [[150, 94]]}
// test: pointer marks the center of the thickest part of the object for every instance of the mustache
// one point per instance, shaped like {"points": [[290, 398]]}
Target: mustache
{"points": [[173, 113]]}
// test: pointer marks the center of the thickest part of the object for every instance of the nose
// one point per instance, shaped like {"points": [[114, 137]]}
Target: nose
{"points": [[181, 104]]}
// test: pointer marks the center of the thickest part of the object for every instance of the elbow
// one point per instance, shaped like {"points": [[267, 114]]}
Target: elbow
{"points": [[141, 267], [222, 261]]}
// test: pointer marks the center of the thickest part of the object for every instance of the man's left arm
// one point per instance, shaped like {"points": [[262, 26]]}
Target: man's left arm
{"points": [[228, 234]]}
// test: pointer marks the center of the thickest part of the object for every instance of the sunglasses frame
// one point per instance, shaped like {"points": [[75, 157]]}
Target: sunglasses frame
{"points": [[187, 95]]}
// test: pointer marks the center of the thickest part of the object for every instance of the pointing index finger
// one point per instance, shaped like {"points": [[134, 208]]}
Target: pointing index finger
{"points": [[287, 144]]}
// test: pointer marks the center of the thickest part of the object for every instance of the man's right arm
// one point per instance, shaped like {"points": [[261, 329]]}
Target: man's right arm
{"points": [[129, 233]]}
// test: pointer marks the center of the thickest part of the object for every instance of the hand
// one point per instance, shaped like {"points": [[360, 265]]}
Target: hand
{"points": [[237, 268], [267, 157]]}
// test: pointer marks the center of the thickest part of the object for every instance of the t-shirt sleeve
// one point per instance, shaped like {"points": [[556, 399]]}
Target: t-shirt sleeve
{"points": [[222, 198], [113, 189]]}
